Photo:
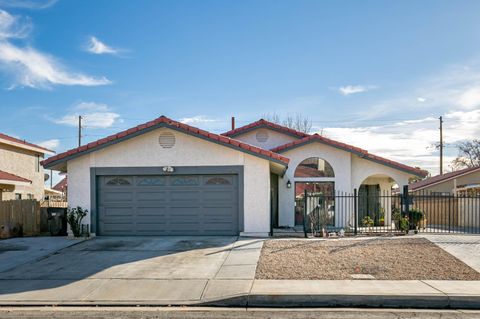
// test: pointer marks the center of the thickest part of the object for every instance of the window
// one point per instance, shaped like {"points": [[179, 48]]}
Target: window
{"points": [[314, 167], [184, 181], [118, 181], [151, 181], [18, 196], [37, 164], [218, 181], [29, 196]]}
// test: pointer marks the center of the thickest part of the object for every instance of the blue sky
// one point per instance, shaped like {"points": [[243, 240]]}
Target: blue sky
{"points": [[376, 74]]}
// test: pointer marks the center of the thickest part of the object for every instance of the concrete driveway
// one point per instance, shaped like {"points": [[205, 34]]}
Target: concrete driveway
{"points": [[157, 270]]}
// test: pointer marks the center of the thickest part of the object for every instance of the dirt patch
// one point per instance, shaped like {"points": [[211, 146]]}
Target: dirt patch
{"points": [[383, 258]]}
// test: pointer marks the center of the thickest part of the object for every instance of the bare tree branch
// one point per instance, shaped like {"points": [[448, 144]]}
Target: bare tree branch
{"points": [[468, 154], [296, 121]]}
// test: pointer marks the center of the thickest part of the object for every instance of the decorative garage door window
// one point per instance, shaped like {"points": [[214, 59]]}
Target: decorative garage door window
{"points": [[118, 181], [184, 181], [151, 181], [218, 181]]}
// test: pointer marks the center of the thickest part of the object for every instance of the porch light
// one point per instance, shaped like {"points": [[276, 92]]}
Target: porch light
{"points": [[289, 184], [168, 169]]}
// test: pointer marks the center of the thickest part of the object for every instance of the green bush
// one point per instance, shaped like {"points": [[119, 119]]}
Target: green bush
{"points": [[74, 219], [367, 221], [415, 215]]}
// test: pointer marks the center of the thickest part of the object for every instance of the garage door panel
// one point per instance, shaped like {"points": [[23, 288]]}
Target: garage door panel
{"points": [[117, 211], [168, 205], [116, 196], [158, 196]]}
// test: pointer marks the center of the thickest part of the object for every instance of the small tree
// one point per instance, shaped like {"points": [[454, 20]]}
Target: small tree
{"points": [[296, 121], [74, 219], [468, 154]]}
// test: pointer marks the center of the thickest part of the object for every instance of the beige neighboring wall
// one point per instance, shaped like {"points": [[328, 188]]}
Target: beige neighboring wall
{"points": [[448, 186], [144, 151], [23, 163]]}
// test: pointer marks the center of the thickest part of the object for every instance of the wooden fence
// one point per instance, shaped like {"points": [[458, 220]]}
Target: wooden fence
{"points": [[31, 214], [25, 212]]}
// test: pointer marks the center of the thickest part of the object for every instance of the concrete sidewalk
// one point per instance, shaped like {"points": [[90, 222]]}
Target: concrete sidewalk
{"points": [[245, 293], [203, 272]]}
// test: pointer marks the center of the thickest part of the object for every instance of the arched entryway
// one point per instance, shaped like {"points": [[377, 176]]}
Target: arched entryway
{"points": [[317, 177], [375, 200]]}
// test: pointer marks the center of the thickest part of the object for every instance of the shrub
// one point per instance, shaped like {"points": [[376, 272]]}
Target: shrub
{"points": [[74, 219], [416, 215], [367, 221]]}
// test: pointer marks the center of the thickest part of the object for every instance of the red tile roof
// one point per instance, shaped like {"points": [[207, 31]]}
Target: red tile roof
{"points": [[13, 177], [62, 185], [178, 125], [23, 142], [349, 148], [442, 178], [264, 123]]}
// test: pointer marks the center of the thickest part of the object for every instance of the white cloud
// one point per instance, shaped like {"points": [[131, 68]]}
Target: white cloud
{"points": [[353, 89], [94, 115], [412, 142], [27, 4], [52, 144], [31, 68], [421, 99], [96, 46], [470, 98], [196, 120]]}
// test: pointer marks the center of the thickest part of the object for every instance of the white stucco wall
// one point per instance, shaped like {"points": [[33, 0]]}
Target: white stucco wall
{"points": [[144, 151], [338, 159], [22, 163], [362, 169], [274, 138]]}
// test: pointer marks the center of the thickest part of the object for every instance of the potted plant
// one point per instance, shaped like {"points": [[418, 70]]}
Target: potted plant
{"points": [[367, 221], [381, 221]]}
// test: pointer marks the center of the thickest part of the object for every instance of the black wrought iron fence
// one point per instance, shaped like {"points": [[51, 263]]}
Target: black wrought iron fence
{"points": [[383, 212]]}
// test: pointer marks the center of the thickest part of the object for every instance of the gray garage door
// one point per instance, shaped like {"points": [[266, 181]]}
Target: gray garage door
{"points": [[168, 205]]}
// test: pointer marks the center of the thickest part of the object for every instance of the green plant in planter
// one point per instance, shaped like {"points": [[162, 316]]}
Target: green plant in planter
{"points": [[404, 224], [381, 221], [74, 219], [415, 215], [367, 221]]}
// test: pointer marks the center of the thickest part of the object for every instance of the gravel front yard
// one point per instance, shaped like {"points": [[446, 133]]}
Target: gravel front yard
{"points": [[338, 259]]}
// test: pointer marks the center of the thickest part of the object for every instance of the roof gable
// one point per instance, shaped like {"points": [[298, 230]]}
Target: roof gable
{"points": [[6, 139], [349, 148], [164, 122], [265, 124]]}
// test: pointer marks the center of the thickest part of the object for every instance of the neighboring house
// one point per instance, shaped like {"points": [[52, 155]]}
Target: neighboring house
{"points": [[461, 182], [168, 178], [21, 174], [61, 186]]}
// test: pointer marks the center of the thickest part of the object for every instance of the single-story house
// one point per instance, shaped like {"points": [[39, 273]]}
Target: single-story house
{"points": [[168, 178], [462, 182], [21, 175]]}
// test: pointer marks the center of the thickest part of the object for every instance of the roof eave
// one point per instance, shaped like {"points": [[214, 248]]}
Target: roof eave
{"points": [[359, 154], [51, 165]]}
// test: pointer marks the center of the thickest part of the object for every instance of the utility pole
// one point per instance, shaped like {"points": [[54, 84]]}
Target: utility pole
{"points": [[79, 130], [441, 145]]}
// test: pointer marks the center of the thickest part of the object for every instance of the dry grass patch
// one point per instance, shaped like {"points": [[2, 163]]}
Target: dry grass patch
{"points": [[383, 258]]}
